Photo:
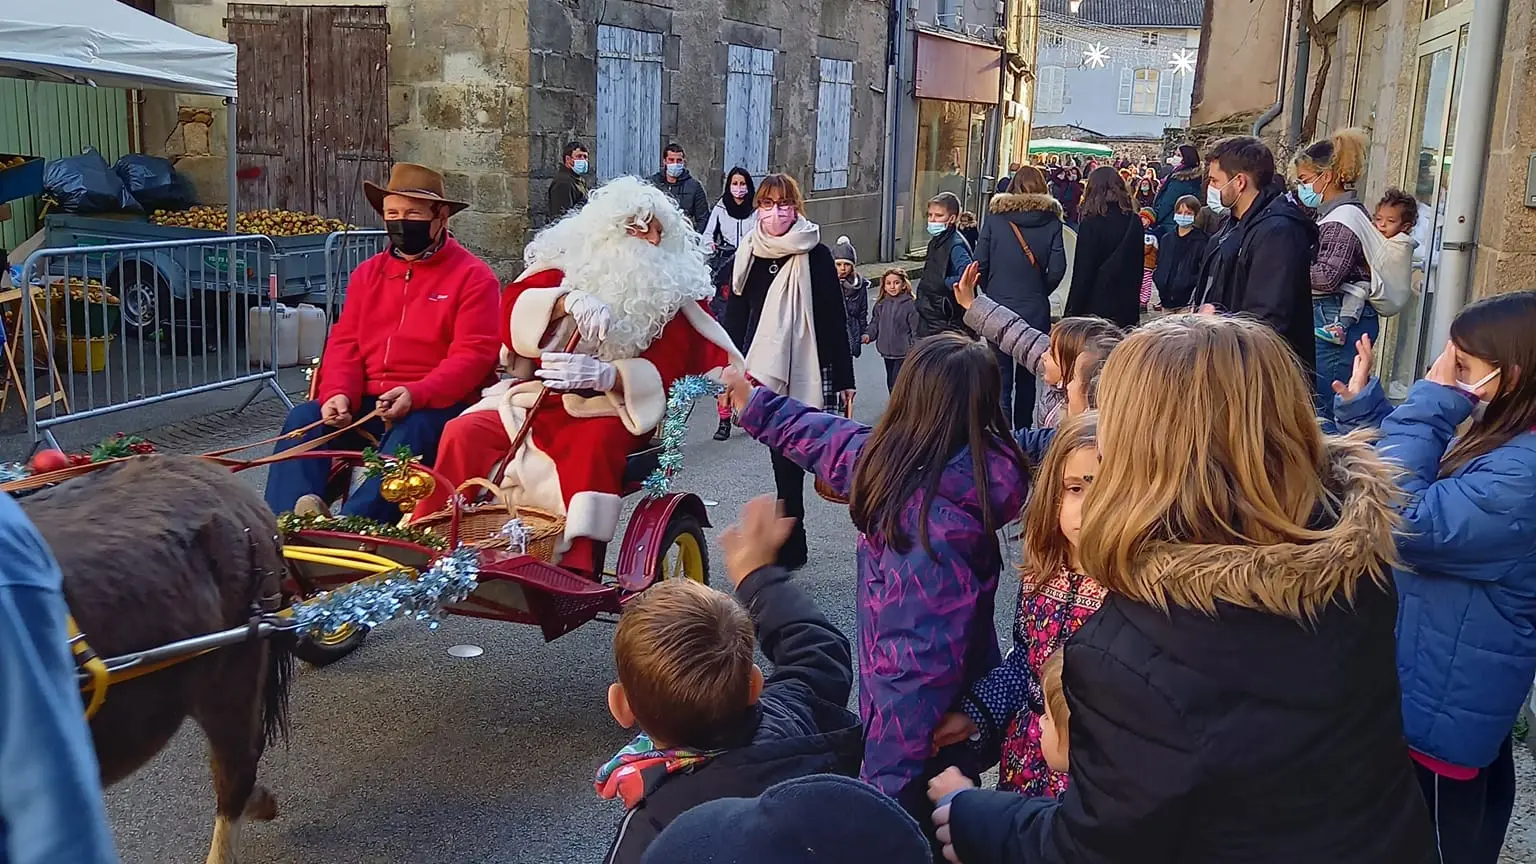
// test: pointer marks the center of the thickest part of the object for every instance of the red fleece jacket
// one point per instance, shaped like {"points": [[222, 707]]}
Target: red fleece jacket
{"points": [[427, 325]]}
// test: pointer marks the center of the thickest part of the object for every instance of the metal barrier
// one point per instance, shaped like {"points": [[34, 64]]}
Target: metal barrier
{"points": [[135, 324], [344, 250]]}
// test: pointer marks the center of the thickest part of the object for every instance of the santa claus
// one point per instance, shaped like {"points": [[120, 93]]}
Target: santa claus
{"points": [[627, 278]]}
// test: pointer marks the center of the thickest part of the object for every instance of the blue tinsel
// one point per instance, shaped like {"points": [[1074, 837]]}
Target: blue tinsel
{"points": [[392, 595], [13, 471], [674, 427]]}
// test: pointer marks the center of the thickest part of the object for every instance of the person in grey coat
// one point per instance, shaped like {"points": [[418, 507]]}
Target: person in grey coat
{"points": [[1022, 261], [680, 186]]}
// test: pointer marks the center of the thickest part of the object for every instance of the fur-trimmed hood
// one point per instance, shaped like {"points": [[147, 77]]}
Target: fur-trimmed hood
{"points": [[1188, 174], [1024, 202], [1296, 580]]}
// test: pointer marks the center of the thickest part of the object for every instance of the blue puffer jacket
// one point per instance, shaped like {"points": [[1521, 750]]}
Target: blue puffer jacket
{"points": [[1466, 621]]}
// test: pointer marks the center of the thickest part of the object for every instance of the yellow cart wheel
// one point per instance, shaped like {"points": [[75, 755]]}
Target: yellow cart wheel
{"points": [[326, 648], [683, 553]]}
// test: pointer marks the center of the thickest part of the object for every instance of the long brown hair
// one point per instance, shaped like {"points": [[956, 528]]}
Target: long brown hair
{"points": [[1106, 193], [1028, 180], [1071, 336], [1497, 330], [1046, 549], [946, 399], [1238, 459]]}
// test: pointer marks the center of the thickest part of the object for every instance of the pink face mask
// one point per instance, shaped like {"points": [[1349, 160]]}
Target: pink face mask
{"points": [[777, 221]]}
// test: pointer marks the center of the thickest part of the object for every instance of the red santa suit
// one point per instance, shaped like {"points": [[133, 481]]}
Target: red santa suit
{"points": [[572, 462]]}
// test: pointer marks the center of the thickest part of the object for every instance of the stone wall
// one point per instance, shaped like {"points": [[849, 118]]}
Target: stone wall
{"points": [[1506, 251], [696, 36], [1239, 63]]}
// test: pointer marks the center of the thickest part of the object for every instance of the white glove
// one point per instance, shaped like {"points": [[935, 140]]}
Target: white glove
{"points": [[576, 372], [590, 314]]}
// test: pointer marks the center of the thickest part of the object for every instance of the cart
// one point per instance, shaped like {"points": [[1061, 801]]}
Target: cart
{"points": [[664, 538]]}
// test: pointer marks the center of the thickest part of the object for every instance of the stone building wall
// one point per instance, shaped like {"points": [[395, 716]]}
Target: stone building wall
{"points": [[489, 91], [696, 36]]}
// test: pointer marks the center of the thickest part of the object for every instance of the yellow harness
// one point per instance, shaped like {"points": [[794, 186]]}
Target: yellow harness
{"points": [[98, 678]]}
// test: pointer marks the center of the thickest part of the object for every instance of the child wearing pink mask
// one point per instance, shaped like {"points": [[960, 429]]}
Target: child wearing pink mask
{"points": [[786, 315]]}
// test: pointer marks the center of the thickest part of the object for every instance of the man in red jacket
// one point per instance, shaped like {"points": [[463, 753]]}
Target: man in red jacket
{"points": [[417, 339]]}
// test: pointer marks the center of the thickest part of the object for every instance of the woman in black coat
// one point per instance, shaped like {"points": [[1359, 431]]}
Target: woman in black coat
{"points": [[1022, 261], [1236, 696], [786, 245], [1106, 273]]}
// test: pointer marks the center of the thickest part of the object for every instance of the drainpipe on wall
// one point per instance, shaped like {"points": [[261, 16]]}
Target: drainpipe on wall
{"points": [[894, 91], [1299, 79], [1458, 239], [1273, 111]]}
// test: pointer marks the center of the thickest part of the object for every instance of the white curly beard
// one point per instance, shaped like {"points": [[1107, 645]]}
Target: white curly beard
{"points": [[643, 285]]}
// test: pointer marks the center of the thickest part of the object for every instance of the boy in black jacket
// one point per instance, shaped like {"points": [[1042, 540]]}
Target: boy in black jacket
{"points": [[1181, 256], [712, 726]]}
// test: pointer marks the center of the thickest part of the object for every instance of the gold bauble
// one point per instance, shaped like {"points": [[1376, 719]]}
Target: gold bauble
{"points": [[394, 489], [420, 485]]}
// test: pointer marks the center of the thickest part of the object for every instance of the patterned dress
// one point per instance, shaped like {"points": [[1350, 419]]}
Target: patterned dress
{"points": [[1010, 694]]}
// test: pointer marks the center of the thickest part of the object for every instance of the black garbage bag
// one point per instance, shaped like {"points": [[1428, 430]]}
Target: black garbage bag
{"points": [[86, 184], [153, 182]]}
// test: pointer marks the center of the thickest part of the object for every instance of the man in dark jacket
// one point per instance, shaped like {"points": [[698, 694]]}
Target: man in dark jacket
{"points": [[568, 191], [948, 256], [794, 724], [1259, 264], [675, 180]]}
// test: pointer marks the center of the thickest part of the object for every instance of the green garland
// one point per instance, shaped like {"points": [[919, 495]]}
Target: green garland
{"points": [[289, 523], [376, 464]]}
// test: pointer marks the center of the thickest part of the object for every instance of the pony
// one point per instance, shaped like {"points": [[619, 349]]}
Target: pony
{"points": [[157, 549]]}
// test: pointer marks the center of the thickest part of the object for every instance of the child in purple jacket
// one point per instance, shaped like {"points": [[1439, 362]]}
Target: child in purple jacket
{"points": [[928, 488]]}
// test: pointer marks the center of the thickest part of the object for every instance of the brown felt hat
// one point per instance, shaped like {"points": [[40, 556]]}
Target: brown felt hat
{"points": [[412, 181]]}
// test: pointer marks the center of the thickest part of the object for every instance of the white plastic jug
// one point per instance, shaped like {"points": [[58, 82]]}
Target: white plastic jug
{"points": [[312, 329], [260, 337]]}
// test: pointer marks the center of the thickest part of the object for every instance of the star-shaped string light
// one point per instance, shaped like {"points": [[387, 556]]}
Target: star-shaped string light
{"points": [[1183, 61], [1096, 56]]}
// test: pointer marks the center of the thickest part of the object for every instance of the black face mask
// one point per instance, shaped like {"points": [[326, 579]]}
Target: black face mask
{"points": [[409, 236]]}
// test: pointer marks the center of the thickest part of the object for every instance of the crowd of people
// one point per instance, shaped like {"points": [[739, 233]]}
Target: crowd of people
{"points": [[1264, 614]]}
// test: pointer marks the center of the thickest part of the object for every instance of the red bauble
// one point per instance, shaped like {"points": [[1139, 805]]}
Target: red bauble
{"points": [[46, 461]]}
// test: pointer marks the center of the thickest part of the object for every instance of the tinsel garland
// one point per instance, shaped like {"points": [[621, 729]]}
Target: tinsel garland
{"points": [[292, 522], [395, 594], [13, 471], [674, 427]]}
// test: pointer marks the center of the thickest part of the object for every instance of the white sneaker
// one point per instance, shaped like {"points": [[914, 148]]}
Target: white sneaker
{"points": [[311, 505]]}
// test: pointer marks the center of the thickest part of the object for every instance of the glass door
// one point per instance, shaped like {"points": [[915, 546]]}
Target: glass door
{"points": [[1437, 96], [945, 148]]}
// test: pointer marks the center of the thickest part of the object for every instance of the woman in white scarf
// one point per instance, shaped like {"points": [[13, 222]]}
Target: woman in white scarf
{"points": [[786, 315]]}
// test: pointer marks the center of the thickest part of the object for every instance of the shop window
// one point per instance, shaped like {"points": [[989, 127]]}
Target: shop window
{"points": [[834, 116], [1051, 90]]}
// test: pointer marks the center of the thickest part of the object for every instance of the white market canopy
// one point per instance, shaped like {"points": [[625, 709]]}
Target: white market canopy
{"points": [[1080, 148], [110, 44]]}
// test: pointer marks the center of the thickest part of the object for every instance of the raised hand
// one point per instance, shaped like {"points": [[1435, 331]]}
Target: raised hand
{"points": [[965, 289], [1360, 373]]}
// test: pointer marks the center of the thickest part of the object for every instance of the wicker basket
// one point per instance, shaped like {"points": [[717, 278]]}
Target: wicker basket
{"points": [[480, 525]]}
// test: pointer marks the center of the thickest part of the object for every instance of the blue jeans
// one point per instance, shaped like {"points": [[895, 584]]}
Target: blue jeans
{"points": [[1335, 362], [289, 481], [1018, 395]]}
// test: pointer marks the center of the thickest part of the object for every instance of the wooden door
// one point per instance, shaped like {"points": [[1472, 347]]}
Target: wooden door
{"points": [[271, 117], [628, 102], [348, 108], [748, 108], [312, 120]]}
